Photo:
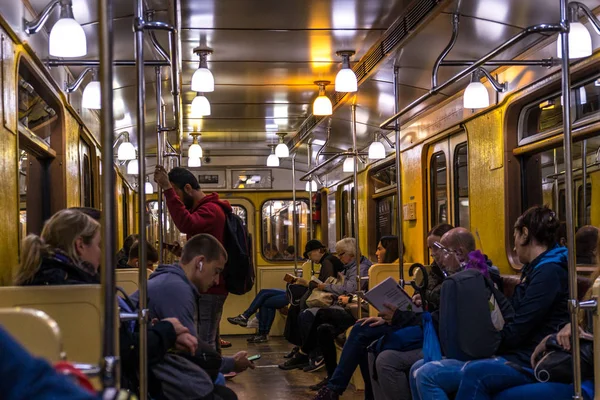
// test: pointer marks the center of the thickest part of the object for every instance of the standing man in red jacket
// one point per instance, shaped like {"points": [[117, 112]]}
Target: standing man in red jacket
{"points": [[195, 212]]}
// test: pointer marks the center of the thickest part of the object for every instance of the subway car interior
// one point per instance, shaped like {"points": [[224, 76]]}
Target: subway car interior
{"points": [[320, 199]]}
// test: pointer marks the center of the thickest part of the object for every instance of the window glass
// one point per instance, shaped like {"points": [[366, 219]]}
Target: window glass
{"points": [[331, 223], [461, 185], [439, 189], [347, 211], [277, 229], [588, 99], [34, 113], [542, 116], [385, 178], [385, 217], [241, 212], [581, 209]]}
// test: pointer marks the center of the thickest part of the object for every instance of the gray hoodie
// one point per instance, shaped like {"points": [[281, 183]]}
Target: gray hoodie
{"points": [[172, 295]]}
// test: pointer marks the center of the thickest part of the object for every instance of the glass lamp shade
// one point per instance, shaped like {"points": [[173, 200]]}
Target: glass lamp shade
{"points": [[91, 96], [348, 165], [194, 162], [476, 96], [195, 151], [322, 106], [67, 39], [126, 152], [345, 81], [203, 81], [376, 151], [133, 168], [282, 151], [272, 161], [148, 188], [311, 186], [580, 42], [200, 107]]}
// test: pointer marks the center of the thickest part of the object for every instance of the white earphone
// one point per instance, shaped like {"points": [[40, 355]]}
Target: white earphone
{"points": [[200, 265]]}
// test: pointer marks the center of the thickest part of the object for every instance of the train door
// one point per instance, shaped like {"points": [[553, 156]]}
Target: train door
{"points": [[86, 174], [448, 181], [236, 305]]}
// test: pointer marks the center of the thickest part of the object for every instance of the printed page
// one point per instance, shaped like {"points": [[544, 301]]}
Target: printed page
{"points": [[315, 279], [390, 292]]}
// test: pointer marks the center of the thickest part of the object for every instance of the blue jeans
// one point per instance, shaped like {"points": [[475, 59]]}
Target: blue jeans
{"points": [[436, 379], [267, 301], [484, 378], [547, 390], [354, 354]]}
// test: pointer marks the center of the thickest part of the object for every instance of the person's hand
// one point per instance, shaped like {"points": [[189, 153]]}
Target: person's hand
{"points": [[179, 328], [388, 313], [540, 348], [313, 285], [343, 300], [241, 362], [161, 177], [187, 342], [563, 337], [371, 321], [417, 300], [321, 286]]}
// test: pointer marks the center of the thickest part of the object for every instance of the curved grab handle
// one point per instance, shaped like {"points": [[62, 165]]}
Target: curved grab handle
{"points": [[424, 284]]}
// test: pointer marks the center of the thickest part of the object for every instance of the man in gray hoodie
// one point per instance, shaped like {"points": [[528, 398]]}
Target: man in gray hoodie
{"points": [[173, 290]]}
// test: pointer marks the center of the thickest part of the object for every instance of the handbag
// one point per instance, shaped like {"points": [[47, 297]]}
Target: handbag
{"points": [[555, 364], [181, 378], [322, 299]]}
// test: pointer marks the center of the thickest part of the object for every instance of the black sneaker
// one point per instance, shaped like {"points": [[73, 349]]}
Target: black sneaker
{"points": [[326, 394], [319, 385], [315, 364], [292, 353], [297, 362], [258, 339], [239, 320]]}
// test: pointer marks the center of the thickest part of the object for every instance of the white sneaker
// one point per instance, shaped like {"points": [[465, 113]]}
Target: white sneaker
{"points": [[253, 323]]}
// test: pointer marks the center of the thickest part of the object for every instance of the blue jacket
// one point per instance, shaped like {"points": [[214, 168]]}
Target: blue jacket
{"points": [[26, 377], [540, 302]]}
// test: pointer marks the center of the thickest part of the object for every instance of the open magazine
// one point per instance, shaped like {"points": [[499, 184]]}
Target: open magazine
{"points": [[390, 292]]}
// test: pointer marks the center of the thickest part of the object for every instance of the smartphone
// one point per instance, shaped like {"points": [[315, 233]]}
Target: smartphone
{"points": [[254, 357]]}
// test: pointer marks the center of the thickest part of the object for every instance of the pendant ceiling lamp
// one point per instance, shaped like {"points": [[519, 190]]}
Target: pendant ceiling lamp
{"points": [[272, 160], [194, 162], [133, 167], [311, 186], [376, 151], [476, 94], [348, 165], [200, 106], [282, 151], [67, 38], [148, 187], [580, 42], [203, 80], [91, 97], [195, 150], [126, 151], [322, 105], [345, 80]]}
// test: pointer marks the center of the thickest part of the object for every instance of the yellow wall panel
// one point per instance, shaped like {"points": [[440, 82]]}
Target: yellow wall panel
{"points": [[71, 161], [412, 191]]}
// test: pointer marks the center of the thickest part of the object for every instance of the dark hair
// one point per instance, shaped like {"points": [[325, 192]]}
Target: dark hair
{"points": [[203, 245], [129, 241], [586, 241], [290, 249], [440, 230], [151, 253], [89, 211], [181, 177], [390, 244], [542, 224], [561, 233]]}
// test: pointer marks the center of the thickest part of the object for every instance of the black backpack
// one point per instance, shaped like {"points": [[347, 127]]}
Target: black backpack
{"points": [[239, 270], [470, 319]]}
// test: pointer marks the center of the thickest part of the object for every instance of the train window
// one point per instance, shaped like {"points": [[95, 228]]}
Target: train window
{"points": [[541, 117], [588, 99], [543, 177], [34, 113], [277, 225], [331, 222], [86, 174], [461, 186], [384, 178], [439, 190]]}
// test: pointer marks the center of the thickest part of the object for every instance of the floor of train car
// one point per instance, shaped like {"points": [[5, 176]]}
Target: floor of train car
{"points": [[267, 380]]}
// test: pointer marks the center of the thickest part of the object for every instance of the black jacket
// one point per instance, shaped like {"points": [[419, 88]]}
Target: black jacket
{"points": [[330, 266], [60, 270], [540, 302]]}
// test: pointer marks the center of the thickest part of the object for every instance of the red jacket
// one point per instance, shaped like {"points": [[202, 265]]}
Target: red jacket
{"points": [[207, 217]]}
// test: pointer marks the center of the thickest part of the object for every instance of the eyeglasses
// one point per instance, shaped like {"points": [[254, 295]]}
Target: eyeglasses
{"points": [[447, 251], [341, 254]]}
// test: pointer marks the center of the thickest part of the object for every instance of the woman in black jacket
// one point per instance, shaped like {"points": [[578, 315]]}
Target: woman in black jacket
{"points": [[68, 252]]}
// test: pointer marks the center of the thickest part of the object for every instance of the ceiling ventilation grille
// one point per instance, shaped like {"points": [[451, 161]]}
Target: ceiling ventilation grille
{"points": [[392, 37]]}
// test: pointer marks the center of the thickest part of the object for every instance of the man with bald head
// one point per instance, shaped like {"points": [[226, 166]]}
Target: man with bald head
{"points": [[457, 243]]}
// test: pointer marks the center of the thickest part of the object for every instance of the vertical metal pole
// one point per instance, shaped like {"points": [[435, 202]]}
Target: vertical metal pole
{"points": [[570, 211], [141, 124], [355, 216], [556, 185], [398, 182], [110, 370], [294, 217], [584, 179], [309, 221], [159, 160], [175, 69], [162, 139]]}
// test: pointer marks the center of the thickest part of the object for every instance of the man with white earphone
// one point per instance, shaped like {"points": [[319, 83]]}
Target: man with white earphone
{"points": [[174, 290]]}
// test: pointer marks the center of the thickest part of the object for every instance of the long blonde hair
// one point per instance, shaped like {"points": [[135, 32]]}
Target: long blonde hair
{"points": [[60, 232]]}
